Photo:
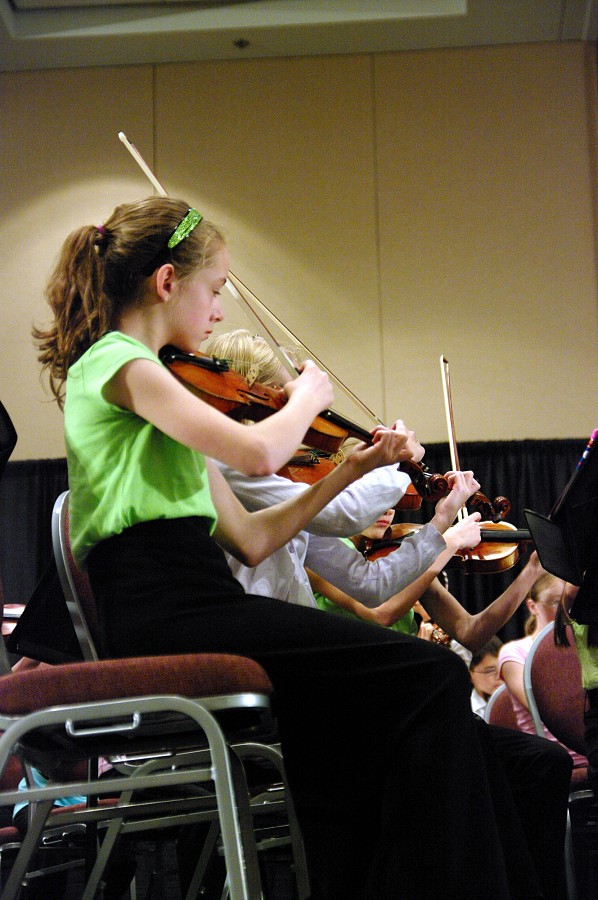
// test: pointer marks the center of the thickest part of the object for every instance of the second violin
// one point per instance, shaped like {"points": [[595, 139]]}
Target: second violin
{"points": [[497, 552]]}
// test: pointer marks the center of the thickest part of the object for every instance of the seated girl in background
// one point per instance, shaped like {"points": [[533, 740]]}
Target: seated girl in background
{"points": [[542, 603]]}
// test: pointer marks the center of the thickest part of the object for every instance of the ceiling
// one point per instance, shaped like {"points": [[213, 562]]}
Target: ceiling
{"points": [[40, 34]]}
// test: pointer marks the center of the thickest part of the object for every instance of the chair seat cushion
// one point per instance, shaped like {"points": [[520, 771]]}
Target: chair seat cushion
{"points": [[187, 675]]}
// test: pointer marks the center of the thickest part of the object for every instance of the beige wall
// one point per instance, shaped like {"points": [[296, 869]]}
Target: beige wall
{"points": [[388, 208]]}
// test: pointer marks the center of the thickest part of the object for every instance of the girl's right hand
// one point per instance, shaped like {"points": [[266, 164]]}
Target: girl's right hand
{"points": [[312, 385], [413, 448]]}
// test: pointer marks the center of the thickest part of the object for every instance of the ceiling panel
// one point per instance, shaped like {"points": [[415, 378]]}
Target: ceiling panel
{"points": [[38, 34], [23, 5]]}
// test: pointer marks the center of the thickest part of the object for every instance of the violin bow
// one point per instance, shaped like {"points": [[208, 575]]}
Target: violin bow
{"points": [[450, 420], [142, 163], [238, 290], [241, 294]]}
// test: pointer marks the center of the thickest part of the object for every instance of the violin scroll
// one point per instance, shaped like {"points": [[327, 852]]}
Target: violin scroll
{"points": [[430, 487], [491, 510]]}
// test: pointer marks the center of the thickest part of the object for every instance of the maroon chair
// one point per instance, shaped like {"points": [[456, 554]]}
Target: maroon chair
{"points": [[499, 710], [169, 711], [554, 689], [556, 697], [232, 689]]}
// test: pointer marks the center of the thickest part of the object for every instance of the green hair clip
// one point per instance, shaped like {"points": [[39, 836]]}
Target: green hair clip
{"points": [[184, 228]]}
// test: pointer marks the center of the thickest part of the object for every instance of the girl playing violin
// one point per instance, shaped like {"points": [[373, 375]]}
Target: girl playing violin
{"points": [[147, 507]]}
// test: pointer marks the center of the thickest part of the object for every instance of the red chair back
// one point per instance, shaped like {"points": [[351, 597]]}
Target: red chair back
{"points": [[500, 709], [555, 677]]}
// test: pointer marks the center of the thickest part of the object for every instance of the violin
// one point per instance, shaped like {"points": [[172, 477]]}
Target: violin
{"points": [[497, 551], [216, 383]]}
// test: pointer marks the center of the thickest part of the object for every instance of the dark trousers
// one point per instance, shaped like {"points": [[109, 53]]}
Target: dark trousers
{"points": [[381, 748], [530, 779]]}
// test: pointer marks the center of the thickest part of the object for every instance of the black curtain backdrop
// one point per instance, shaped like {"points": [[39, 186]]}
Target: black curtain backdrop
{"points": [[530, 473], [27, 493]]}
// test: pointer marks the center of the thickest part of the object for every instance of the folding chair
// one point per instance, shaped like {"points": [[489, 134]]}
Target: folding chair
{"points": [[161, 710], [555, 695], [554, 691], [499, 710], [262, 744], [57, 716]]}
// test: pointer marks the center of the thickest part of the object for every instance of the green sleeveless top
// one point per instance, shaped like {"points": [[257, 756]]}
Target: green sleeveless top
{"points": [[121, 469]]}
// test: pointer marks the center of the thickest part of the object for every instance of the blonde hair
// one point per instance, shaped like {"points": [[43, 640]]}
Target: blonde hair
{"points": [[248, 354], [101, 272], [542, 584]]}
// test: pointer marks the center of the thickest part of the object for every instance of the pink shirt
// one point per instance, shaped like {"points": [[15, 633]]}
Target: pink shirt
{"points": [[517, 651]]}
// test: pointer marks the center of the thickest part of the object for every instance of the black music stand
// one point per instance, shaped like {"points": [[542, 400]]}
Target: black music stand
{"points": [[567, 539]]}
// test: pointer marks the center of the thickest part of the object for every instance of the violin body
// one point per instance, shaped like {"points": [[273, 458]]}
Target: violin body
{"points": [[214, 382], [497, 551], [307, 467]]}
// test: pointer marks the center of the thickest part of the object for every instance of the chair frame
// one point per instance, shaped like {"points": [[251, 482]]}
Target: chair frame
{"points": [[501, 690], [527, 679], [76, 723]]}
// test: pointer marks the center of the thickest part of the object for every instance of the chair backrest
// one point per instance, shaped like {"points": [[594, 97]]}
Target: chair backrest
{"points": [[554, 689], [75, 583], [499, 710]]}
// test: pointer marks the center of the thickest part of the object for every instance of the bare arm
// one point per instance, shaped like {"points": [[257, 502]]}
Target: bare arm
{"points": [[473, 631], [153, 393], [339, 598]]}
